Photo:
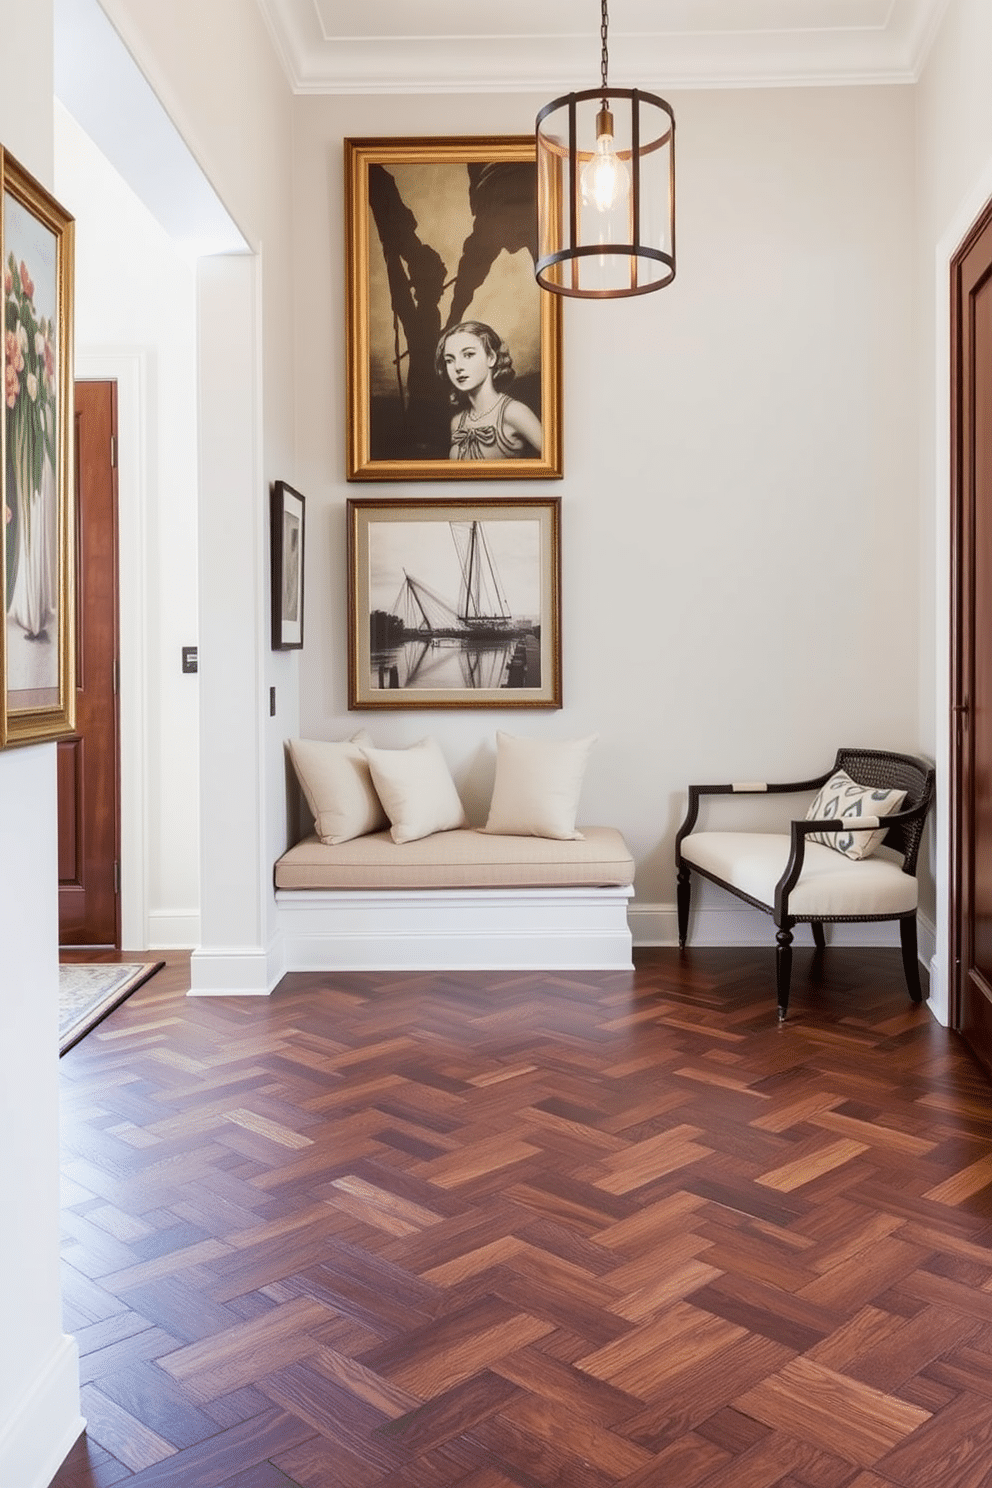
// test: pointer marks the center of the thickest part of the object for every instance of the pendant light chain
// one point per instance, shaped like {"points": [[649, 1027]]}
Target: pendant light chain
{"points": [[604, 64]]}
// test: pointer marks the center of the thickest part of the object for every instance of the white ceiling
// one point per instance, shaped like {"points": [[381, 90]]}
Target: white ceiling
{"points": [[528, 46]]}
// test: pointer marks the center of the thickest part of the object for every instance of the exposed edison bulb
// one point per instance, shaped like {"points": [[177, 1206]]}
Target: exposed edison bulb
{"points": [[604, 179]]}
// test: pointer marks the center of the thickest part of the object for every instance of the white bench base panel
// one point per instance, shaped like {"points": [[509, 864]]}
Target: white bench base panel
{"points": [[456, 929]]}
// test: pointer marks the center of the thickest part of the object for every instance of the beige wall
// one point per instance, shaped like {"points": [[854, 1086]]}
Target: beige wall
{"points": [[739, 514], [741, 535], [742, 553]]}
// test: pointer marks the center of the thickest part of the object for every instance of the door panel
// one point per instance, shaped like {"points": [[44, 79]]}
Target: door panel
{"points": [[981, 682], [971, 662], [88, 761]]}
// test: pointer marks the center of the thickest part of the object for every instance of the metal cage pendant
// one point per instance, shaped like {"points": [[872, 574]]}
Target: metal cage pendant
{"points": [[605, 194]]}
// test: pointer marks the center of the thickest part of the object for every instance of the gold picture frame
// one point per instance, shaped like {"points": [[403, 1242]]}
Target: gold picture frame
{"points": [[37, 640], [443, 233], [454, 604]]}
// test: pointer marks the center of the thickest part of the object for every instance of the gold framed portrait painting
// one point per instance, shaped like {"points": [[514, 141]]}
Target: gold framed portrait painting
{"points": [[37, 655], [453, 349]]}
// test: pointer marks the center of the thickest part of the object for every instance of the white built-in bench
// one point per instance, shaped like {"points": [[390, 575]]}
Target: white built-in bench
{"points": [[461, 899]]}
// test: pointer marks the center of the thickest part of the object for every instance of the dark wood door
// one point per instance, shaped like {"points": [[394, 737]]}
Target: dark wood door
{"points": [[971, 660], [88, 761]]}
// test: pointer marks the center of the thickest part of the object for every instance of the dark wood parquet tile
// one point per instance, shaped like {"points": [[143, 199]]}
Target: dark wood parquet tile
{"points": [[531, 1231]]}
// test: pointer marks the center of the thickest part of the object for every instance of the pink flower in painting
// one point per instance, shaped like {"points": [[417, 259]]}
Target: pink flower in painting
{"points": [[11, 385], [8, 281], [29, 366], [14, 351]]}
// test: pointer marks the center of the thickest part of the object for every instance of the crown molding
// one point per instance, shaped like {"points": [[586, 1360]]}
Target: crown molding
{"points": [[680, 44]]}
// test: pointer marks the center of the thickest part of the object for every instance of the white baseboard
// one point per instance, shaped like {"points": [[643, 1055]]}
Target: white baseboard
{"points": [[234, 971], [926, 935], [461, 929], [39, 1432], [478, 929], [176, 931], [740, 925], [939, 1000]]}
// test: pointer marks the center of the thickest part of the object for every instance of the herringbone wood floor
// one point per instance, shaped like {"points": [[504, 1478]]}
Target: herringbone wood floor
{"points": [[515, 1231]]}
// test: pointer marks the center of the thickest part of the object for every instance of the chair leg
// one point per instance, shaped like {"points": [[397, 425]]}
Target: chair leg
{"points": [[910, 957], [783, 968], [819, 936], [682, 891]]}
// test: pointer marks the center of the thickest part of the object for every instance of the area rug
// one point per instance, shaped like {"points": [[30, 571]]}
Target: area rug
{"points": [[89, 991]]}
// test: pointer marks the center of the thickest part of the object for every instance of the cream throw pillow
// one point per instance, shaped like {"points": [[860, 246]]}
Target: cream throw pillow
{"points": [[537, 786], [337, 784], [416, 789], [842, 796]]}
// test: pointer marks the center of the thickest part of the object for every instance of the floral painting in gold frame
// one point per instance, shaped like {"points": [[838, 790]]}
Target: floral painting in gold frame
{"points": [[454, 351], [454, 603], [37, 649]]}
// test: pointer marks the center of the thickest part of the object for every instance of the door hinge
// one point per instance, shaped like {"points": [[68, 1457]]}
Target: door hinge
{"points": [[117, 676], [117, 876], [113, 451]]}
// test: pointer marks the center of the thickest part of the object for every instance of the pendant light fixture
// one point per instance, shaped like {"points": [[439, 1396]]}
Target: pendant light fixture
{"points": [[605, 190]]}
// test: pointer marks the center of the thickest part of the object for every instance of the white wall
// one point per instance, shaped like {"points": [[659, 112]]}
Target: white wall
{"points": [[136, 312], [740, 525], [232, 104], [39, 1375], [39, 1389]]}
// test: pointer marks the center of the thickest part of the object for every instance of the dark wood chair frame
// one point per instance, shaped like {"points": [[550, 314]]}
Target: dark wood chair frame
{"points": [[880, 769]]}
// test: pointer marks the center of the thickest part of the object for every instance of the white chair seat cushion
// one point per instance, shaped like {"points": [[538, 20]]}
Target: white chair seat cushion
{"points": [[830, 884]]}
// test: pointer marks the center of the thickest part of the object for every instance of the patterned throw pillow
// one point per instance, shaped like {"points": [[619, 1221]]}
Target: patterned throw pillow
{"points": [[843, 797]]}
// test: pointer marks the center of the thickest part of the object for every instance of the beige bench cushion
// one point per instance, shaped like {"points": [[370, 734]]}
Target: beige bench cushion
{"points": [[830, 884], [463, 859]]}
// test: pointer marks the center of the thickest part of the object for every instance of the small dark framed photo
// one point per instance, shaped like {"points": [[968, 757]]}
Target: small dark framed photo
{"points": [[288, 532]]}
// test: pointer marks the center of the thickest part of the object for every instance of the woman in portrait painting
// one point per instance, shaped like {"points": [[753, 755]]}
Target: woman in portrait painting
{"points": [[487, 424]]}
